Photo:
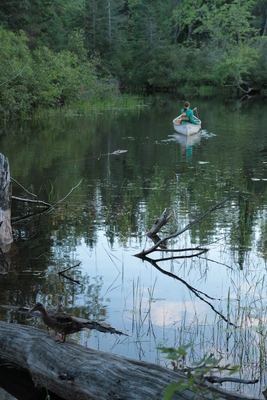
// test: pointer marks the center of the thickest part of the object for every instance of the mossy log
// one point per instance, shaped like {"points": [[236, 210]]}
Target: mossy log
{"points": [[75, 372]]}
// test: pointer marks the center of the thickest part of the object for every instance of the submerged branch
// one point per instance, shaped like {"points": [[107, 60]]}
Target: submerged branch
{"points": [[61, 273], [186, 249], [68, 268], [65, 196], [49, 207], [71, 279], [28, 216], [146, 252], [179, 257], [32, 201], [19, 184]]}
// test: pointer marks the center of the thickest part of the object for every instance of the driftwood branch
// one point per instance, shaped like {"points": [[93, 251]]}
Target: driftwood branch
{"points": [[70, 279], [49, 207], [19, 184], [156, 239], [60, 201], [39, 202], [68, 268], [201, 251], [159, 223], [188, 226], [28, 216], [75, 372], [62, 273]]}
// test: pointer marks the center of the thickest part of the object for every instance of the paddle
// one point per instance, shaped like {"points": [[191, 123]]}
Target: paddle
{"points": [[195, 109]]}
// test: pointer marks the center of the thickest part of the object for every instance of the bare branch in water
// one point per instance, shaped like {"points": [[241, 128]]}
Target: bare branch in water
{"points": [[49, 206], [68, 268], [65, 196], [153, 248], [32, 201], [177, 257], [31, 194], [159, 223], [61, 273], [71, 279]]}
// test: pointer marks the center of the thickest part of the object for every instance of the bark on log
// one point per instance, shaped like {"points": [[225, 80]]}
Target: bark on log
{"points": [[6, 237], [74, 372]]}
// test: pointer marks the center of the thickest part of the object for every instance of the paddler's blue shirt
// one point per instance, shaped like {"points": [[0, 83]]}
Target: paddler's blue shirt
{"points": [[189, 114]]}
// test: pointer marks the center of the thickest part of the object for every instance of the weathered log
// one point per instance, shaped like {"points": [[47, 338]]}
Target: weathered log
{"points": [[6, 237], [75, 372]]}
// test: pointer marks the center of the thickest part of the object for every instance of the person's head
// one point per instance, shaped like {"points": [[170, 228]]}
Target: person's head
{"points": [[186, 105]]}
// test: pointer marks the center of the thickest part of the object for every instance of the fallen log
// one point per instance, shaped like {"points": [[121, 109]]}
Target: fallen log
{"points": [[75, 372]]}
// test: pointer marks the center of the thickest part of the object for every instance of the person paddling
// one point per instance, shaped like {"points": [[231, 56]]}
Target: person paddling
{"points": [[187, 114]]}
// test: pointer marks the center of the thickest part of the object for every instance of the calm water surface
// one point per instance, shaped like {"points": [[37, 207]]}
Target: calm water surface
{"points": [[218, 302]]}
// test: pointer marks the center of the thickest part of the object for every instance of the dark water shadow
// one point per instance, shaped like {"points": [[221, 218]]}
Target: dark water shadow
{"points": [[19, 384]]}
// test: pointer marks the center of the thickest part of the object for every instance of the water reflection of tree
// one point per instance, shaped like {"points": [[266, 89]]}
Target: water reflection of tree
{"points": [[262, 243], [41, 249], [242, 229], [195, 251], [26, 289]]}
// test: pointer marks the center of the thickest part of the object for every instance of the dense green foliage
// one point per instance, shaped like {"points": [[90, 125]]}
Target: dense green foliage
{"points": [[55, 52]]}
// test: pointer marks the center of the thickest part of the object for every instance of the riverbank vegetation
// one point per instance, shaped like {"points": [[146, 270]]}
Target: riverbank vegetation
{"points": [[61, 52]]}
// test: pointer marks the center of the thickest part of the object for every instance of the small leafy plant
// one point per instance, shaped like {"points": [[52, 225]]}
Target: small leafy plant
{"points": [[195, 375]]}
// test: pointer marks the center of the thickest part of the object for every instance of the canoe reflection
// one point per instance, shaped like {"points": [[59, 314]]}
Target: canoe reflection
{"points": [[187, 143]]}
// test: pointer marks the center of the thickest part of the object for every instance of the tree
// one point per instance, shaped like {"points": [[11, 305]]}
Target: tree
{"points": [[231, 39], [40, 20], [15, 72]]}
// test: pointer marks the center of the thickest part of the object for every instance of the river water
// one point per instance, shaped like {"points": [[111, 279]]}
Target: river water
{"points": [[105, 204]]}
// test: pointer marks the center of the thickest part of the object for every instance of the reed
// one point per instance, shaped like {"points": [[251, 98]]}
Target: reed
{"points": [[49, 188], [95, 105], [141, 310]]}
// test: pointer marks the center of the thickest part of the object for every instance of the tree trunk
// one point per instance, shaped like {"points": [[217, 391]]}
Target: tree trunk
{"points": [[6, 237], [75, 372]]}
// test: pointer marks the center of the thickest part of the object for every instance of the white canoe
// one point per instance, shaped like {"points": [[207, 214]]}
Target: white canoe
{"points": [[186, 129]]}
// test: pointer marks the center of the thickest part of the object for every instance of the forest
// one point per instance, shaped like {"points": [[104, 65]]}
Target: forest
{"points": [[61, 52]]}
